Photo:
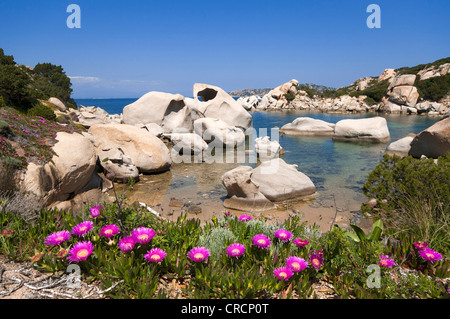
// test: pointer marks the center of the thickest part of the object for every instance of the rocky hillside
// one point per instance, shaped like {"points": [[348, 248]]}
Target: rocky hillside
{"points": [[261, 92], [420, 89]]}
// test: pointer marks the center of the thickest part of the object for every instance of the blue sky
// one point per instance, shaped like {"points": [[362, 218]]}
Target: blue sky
{"points": [[128, 48]]}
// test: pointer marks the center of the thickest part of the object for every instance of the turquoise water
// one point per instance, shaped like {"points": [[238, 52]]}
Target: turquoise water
{"points": [[338, 169]]}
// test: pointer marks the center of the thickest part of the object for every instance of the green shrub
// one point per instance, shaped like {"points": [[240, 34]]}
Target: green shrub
{"points": [[289, 96], [413, 196], [374, 92], [43, 111], [2, 101], [434, 89]]}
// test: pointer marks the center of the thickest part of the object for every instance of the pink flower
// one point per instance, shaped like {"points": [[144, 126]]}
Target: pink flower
{"points": [[235, 250], [283, 273], [244, 218], [155, 255], [300, 242], [143, 235], [198, 254], [96, 210], [57, 238], [316, 259], [430, 255], [109, 230], [82, 228], [296, 264], [81, 251], [420, 245], [386, 262], [283, 234], [261, 240], [126, 244]]}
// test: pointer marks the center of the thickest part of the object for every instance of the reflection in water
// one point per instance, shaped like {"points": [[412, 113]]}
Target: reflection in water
{"points": [[338, 169]]}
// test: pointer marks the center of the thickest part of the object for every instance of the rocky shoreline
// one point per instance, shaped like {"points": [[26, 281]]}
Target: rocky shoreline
{"points": [[160, 130], [400, 97]]}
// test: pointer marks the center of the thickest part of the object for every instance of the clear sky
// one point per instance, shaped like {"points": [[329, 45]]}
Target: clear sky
{"points": [[128, 48]]}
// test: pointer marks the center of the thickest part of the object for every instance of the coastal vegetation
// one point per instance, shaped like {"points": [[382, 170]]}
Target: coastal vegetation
{"points": [[23, 87], [237, 256]]}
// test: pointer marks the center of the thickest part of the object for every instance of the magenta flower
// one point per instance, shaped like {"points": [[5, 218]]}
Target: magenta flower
{"points": [[235, 250], [283, 273], [296, 264], [198, 254], [126, 244], [57, 238], [81, 251], [283, 234], [96, 210], [155, 255], [109, 231], [143, 235], [420, 245], [316, 259], [430, 255], [386, 262], [262, 241], [300, 242], [82, 228], [244, 218]]}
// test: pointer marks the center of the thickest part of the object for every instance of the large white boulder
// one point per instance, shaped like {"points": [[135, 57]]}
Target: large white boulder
{"points": [[400, 147], [70, 170], [308, 126], [58, 103], [218, 133], [267, 149], [188, 143], [242, 192], [373, 129], [213, 102], [280, 181], [147, 152], [169, 111]]}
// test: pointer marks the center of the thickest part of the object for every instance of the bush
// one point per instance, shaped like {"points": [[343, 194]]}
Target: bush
{"points": [[42, 111], [434, 89], [413, 196], [289, 97], [375, 92]]}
